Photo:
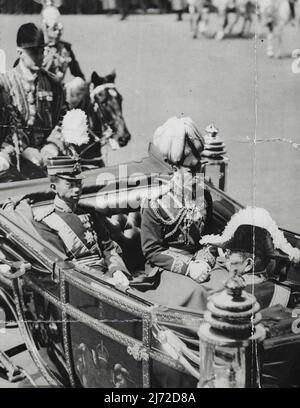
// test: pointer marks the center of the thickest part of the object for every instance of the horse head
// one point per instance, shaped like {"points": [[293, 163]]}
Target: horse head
{"points": [[108, 106]]}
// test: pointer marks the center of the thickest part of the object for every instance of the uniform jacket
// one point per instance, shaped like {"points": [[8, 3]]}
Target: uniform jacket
{"points": [[269, 294], [168, 241], [81, 235], [14, 108], [59, 58]]}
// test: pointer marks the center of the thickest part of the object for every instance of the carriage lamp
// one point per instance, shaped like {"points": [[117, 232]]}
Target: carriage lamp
{"points": [[214, 162], [231, 339]]}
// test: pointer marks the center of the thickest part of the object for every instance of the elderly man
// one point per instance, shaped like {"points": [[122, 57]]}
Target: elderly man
{"points": [[31, 101], [173, 224], [80, 234], [59, 56], [253, 241]]}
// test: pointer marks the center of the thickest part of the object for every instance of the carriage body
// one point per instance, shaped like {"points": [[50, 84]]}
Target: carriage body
{"points": [[83, 332]]}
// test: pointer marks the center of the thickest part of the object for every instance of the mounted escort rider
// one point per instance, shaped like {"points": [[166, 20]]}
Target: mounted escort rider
{"points": [[80, 234], [31, 101], [173, 224], [59, 56], [253, 242]]}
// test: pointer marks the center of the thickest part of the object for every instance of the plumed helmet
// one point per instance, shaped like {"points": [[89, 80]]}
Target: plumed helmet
{"points": [[75, 127], [50, 15], [253, 230], [45, 3], [253, 240], [30, 36], [179, 141]]}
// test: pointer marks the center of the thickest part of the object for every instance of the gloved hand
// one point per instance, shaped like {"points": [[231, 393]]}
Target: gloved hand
{"points": [[295, 257], [4, 161], [33, 155], [119, 278], [49, 150], [198, 270]]}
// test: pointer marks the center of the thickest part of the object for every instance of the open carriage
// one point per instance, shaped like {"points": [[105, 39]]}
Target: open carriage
{"points": [[82, 331]]}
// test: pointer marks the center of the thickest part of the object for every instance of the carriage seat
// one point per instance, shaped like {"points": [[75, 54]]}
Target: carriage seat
{"points": [[121, 211]]}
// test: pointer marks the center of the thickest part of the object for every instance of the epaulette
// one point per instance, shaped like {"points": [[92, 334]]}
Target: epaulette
{"points": [[40, 213]]}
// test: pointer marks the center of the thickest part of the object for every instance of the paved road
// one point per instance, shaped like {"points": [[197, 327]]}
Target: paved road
{"points": [[162, 72]]}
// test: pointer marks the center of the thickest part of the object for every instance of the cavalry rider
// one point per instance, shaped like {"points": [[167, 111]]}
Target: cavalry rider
{"points": [[253, 243], [80, 234], [172, 224], [31, 101], [58, 54]]}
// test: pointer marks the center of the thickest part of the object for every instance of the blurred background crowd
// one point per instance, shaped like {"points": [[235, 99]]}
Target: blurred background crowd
{"points": [[94, 6]]}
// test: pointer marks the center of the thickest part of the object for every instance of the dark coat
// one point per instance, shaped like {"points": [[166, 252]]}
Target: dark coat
{"points": [[61, 57], [14, 109]]}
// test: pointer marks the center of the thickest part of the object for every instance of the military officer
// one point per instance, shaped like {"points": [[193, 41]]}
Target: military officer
{"points": [[81, 235], [252, 240], [173, 223], [31, 102], [59, 56]]}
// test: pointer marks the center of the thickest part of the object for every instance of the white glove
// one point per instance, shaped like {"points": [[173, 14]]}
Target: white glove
{"points": [[4, 162], [33, 155], [295, 257], [198, 270], [119, 278], [4, 268], [49, 150]]}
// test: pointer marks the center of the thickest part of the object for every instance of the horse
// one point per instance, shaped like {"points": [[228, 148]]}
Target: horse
{"points": [[199, 15], [102, 104]]}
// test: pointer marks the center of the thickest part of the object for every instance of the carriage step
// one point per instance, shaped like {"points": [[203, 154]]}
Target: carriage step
{"points": [[9, 371], [16, 350]]}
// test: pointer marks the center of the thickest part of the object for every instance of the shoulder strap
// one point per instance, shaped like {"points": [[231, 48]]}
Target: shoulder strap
{"points": [[71, 240], [40, 213]]}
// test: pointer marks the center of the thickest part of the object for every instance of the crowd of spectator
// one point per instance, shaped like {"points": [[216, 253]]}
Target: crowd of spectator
{"points": [[89, 6]]}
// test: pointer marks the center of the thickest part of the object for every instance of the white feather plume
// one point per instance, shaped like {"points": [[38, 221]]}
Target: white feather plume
{"points": [[50, 15], [75, 128], [258, 217]]}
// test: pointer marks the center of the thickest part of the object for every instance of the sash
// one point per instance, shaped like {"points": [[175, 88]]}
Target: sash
{"points": [[79, 239]]}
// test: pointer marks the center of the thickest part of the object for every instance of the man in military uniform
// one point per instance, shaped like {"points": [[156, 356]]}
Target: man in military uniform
{"points": [[172, 224], [81, 235], [31, 101], [59, 56], [253, 242]]}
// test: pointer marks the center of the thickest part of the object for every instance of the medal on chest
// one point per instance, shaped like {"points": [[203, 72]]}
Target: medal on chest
{"points": [[89, 234]]}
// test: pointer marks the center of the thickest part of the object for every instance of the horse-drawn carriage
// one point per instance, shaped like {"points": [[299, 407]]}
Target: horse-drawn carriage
{"points": [[82, 331]]}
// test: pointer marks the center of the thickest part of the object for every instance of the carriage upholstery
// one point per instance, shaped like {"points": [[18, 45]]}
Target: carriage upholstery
{"points": [[123, 219], [121, 211]]}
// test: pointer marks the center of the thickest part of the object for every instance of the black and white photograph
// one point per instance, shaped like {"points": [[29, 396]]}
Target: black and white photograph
{"points": [[149, 196]]}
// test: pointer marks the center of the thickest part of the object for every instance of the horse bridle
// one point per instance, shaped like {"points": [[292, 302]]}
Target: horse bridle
{"points": [[105, 121]]}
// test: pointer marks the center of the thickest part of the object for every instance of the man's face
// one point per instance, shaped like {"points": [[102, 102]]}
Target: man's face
{"points": [[53, 31], [69, 190], [32, 58], [76, 97], [238, 263]]}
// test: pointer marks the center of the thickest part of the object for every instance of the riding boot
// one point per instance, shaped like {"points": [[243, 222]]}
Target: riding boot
{"points": [[179, 15]]}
